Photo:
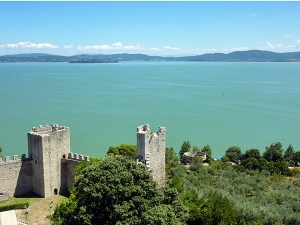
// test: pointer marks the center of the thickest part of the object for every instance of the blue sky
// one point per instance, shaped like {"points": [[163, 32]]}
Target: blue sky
{"points": [[153, 28]]}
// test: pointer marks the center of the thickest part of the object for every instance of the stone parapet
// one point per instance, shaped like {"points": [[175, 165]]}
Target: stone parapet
{"points": [[47, 129], [15, 158], [75, 156]]}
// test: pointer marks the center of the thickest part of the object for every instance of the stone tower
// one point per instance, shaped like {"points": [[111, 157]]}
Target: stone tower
{"points": [[151, 149], [47, 145]]}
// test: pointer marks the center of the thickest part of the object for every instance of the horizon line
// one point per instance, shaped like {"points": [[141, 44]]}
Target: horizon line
{"points": [[182, 55]]}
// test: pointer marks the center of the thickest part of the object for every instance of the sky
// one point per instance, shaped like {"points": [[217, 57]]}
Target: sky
{"points": [[152, 28]]}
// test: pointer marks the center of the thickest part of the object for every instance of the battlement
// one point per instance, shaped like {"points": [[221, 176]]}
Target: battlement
{"points": [[47, 129], [75, 156], [143, 128], [15, 158]]}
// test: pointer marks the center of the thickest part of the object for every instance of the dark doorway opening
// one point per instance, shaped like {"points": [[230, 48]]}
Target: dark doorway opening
{"points": [[55, 191]]}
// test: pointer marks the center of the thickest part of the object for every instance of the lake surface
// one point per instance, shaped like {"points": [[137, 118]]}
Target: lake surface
{"points": [[250, 105]]}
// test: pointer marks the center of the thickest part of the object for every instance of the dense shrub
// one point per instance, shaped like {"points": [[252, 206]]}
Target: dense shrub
{"points": [[258, 196], [13, 206]]}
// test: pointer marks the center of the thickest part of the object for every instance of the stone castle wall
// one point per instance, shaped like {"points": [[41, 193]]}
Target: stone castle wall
{"points": [[49, 168], [151, 150], [67, 177], [16, 175]]}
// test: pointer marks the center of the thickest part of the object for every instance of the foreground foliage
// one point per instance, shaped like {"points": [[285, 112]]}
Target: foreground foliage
{"points": [[254, 190], [255, 197], [241, 188], [125, 150], [118, 191]]}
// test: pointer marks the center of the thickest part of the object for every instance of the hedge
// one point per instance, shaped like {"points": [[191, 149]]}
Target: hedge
{"points": [[13, 206]]}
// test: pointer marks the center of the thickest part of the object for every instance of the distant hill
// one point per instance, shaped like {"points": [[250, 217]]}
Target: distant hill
{"points": [[246, 56], [238, 56], [30, 55]]}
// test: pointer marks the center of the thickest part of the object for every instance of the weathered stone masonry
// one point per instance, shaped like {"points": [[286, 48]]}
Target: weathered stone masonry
{"points": [[16, 175], [48, 170], [151, 151]]}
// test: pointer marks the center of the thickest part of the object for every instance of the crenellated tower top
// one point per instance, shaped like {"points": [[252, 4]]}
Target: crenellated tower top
{"points": [[47, 129]]}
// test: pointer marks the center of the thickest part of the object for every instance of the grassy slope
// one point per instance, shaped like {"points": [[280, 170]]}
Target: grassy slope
{"points": [[38, 207]]}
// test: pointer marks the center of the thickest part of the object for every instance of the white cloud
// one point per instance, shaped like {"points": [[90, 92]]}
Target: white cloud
{"points": [[102, 47], [280, 47], [270, 45], [68, 46], [115, 46], [210, 49], [287, 35], [154, 49], [240, 49], [118, 44], [9, 46], [95, 47], [254, 14], [172, 48], [234, 49], [29, 45], [129, 47]]}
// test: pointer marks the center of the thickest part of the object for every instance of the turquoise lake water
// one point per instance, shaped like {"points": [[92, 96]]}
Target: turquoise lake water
{"points": [[250, 105]]}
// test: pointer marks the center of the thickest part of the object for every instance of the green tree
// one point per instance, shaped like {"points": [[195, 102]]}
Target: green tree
{"points": [[225, 159], [216, 210], [186, 147], [207, 150], [126, 150], [0, 151], [252, 160], [194, 205], [198, 159], [289, 155], [161, 214], [119, 191], [83, 164], [273, 152], [171, 159], [196, 149], [234, 154], [252, 153], [175, 182], [296, 158], [250, 163], [280, 167]]}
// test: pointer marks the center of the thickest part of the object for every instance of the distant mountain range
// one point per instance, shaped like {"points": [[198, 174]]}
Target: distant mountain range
{"points": [[238, 56]]}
